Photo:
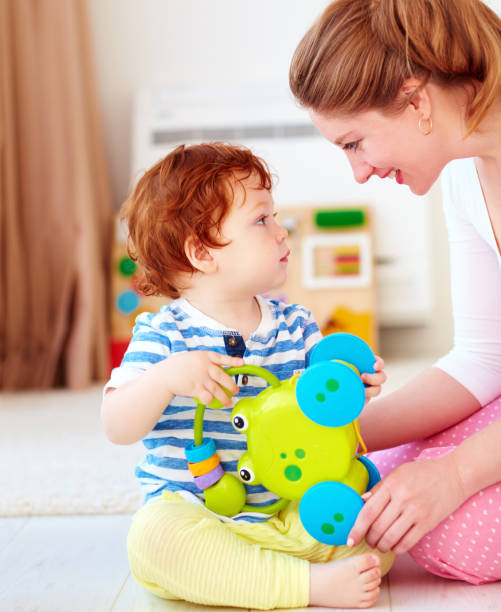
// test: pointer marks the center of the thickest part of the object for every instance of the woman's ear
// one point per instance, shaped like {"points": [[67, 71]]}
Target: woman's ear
{"points": [[199, 255], [417, 94]]}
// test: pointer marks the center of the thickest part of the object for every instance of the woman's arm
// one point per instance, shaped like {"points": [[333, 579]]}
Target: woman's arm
{"points": [[478, 459], [429, 403]]}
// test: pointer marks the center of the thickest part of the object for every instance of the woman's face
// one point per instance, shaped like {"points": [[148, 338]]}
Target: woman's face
{"points": [[388, 146]]}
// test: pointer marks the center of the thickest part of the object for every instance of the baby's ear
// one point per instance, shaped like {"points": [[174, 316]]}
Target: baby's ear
{"points": [[199, 255]]}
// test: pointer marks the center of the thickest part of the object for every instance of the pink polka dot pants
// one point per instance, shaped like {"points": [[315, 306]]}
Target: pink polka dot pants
{"points": [[467, 544]]}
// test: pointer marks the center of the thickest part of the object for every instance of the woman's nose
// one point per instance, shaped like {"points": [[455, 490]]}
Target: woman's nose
{"points": [[362, 171]]}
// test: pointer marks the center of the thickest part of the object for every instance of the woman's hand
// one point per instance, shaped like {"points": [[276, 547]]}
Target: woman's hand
{"points": [[408, 503], [374, 380], [199, 374]]}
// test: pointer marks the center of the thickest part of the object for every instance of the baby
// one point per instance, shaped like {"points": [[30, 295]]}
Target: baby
{"points": [[203, 227]]}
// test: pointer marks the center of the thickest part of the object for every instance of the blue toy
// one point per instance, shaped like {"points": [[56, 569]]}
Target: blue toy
{"points": [[302, 441]]}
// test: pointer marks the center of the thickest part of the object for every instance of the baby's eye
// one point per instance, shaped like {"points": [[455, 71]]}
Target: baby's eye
{"points": [[263, 218], [351, 146]]}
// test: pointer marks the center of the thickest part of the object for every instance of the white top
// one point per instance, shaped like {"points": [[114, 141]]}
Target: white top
{"points": [[475, 359]]}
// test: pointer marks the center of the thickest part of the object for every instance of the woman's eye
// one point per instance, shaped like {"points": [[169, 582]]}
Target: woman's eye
{"points": [[261, 220], [351, 146]]}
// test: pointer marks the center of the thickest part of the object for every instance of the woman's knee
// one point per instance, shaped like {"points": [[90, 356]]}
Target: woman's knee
{"points": [[464, 545]]}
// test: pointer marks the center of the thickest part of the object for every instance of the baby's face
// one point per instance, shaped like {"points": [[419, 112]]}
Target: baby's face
{"points": [[255, 260]]}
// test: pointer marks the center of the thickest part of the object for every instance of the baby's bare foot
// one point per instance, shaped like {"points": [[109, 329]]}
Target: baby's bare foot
{"points": [[348, 583]]}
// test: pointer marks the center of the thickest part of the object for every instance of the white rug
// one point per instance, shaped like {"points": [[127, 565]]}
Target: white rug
{"points": [[55, 458]]}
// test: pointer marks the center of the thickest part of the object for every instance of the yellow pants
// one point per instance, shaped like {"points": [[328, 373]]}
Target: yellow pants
{"points": [[179, 550]]}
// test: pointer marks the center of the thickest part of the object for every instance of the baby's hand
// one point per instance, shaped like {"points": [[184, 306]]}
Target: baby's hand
{"points": [[199, 374], [374, 380]]}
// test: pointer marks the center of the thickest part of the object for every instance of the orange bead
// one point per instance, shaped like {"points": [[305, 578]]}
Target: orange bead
{"points": [[203, 467]]}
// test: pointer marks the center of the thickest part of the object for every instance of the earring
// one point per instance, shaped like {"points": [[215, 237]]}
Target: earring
{"points": [[422, 129]]}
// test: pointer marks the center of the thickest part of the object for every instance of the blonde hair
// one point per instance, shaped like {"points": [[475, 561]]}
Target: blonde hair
{"points": [[357, 55]]}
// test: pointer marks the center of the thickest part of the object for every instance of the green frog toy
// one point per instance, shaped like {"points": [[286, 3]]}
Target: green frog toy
{"points": [[303, 442]]}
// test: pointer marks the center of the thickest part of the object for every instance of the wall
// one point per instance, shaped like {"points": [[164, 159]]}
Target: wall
{"points": [[141, 43], [177, 42]]}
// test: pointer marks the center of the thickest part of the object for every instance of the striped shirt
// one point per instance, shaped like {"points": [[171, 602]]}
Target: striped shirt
{"points": [[282, 343]]}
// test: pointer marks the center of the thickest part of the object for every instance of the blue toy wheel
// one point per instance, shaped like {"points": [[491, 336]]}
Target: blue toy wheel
{"points": [[330, 394], [345, 347], [374, 475], [328, 511]]}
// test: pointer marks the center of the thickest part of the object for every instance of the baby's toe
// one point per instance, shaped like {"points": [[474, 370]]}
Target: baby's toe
{"points": [[370, 598], [372, 575], [368, 561]]}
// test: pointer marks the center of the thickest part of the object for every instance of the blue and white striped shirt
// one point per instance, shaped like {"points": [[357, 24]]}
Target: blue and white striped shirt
{"points": [[282, 343]]}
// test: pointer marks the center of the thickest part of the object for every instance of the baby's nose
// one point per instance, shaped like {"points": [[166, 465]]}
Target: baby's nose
{"points": [[282, 233]]}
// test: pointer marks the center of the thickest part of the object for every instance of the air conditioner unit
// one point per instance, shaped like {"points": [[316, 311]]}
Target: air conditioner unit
{"points": [[310, 171]]}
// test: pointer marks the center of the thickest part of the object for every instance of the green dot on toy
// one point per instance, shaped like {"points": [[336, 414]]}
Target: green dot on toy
{"points": [[332, 384], [320, 397], [126, 266], [227, 496], [292, 472], [338, 517], [327, 528], [283, 455], [300, 453]]}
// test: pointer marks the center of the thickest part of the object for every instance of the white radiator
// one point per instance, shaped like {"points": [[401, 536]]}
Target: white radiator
{"points": [[310, 171]]}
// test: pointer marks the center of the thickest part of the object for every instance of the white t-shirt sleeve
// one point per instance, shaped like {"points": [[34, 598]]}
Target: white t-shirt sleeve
{"points": [[475, 359]]}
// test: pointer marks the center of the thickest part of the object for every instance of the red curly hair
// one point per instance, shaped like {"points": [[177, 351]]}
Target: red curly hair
{"points": [[187, 194]]}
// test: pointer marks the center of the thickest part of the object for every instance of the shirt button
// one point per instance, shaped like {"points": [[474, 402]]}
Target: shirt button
{"points": [[245, 379], [232, 341]]}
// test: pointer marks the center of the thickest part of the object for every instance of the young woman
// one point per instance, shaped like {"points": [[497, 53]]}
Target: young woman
{"points": [[404, 88]]}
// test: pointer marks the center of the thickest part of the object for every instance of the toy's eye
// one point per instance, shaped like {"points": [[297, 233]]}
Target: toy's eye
{"points": [[246, 474], [240, 422]]}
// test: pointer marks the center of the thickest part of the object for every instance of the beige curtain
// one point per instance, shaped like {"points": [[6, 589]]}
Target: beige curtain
{"points": [[55, 206]]}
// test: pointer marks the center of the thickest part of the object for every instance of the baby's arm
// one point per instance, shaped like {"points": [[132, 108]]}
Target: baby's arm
{"points": [[131, 411]]}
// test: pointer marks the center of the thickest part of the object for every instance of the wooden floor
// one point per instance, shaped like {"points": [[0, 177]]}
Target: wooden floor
{"points": [[79, 563]]}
